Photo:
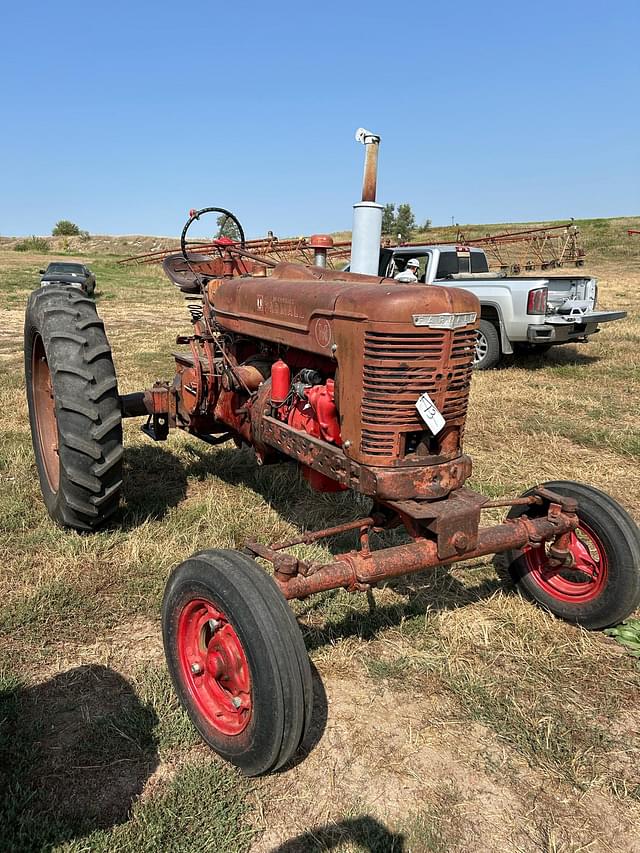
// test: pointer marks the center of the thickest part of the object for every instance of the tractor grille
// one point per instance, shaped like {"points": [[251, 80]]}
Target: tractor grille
{"points": [[398, 367]]}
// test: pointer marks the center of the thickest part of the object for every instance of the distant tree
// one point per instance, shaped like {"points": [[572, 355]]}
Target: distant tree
{"points": [[426, 225], [227, 228], [65, 228], [389, 219], [405, 222]]}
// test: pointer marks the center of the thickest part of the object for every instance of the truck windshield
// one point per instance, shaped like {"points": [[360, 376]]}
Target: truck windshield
{"points": [[65, 268]]}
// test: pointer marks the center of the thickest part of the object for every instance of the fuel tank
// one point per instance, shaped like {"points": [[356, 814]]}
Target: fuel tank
{"points": [[299, 306]]}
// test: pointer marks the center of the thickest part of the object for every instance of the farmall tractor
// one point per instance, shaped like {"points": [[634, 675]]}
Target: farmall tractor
{"points": [[363, 383]]}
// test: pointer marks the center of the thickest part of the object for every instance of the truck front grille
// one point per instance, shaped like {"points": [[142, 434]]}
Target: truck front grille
{"points": [[400, 366]]}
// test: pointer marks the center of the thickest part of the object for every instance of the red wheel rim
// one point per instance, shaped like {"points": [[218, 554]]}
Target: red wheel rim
{"points": [[581, 583], [45, 413], [214, 666]]}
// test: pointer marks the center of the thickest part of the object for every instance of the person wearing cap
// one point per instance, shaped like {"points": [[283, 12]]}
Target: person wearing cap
{"points": [[409, 275]]}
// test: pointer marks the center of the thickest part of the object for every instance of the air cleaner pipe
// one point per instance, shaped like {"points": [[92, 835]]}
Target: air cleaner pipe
{"points": [[320, 243], [367, 214]]}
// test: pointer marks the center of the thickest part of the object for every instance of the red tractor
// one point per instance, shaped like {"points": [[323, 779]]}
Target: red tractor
{"points": [[361, 381]]}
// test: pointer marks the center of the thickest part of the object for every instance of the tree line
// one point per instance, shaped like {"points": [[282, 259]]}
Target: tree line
{"points": [[399, 223]]}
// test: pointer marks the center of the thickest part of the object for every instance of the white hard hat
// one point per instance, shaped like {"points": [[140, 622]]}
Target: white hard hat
{"points": [[413, 262]]}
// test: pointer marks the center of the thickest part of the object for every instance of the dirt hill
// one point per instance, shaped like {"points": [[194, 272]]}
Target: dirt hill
{"points": [[601, 238]]}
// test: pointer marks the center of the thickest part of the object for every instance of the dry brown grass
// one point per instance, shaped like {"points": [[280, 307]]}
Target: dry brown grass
{"points": [[459, 717]]}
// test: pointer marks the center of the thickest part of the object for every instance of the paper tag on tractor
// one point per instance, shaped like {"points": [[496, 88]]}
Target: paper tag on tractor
{"points": [[429, 413]]}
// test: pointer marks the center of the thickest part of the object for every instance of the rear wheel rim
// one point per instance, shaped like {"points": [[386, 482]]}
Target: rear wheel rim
{"points": [[45, 414], [214, 667], [584, 581]]}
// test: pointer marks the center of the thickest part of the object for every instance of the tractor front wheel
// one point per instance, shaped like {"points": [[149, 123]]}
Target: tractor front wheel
{"points": [[237, 659], [74, 408], [602, 586]]}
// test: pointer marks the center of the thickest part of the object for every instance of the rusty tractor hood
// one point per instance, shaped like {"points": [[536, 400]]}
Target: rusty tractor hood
{"points": [[297, 305]]}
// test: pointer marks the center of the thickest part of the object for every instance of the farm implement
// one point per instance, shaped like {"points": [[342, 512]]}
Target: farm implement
{"points": [[361, 381]]}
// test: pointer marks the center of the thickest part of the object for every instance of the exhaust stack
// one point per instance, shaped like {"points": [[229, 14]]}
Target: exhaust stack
{"points": [[367, 214]]}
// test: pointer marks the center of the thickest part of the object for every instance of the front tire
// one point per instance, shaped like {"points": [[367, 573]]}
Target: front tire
{"points": [[487, 352], [237, 659], [603, 586], [74, 407]]}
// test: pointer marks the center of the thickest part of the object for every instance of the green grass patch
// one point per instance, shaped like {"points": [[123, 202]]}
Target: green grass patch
{"points": [[32, 244], [76, 753], [202, 808]]}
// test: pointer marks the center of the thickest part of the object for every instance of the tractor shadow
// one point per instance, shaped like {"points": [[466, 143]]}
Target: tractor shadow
{"points": [[317, 724], [426, 592], [155, 481], [364, 831], [76, 751]]}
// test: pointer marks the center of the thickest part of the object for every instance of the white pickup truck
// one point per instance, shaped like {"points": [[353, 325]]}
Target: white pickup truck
{"points": [[518, 312]]}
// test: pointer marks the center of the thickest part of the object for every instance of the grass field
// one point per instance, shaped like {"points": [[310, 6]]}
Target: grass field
{"points": [[452, 716]]}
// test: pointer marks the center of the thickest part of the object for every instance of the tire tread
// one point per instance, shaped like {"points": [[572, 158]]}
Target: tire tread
{"points": [[87, 406]]}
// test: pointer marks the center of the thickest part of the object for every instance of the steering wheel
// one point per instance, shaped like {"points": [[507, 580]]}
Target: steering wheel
{"points": [[225, 218]]}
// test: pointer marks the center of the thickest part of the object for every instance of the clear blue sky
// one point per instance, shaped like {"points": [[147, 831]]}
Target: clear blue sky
{"points": [[122, 116]]}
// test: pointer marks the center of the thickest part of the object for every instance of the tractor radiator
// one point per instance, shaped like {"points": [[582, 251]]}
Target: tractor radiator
{"points": [[397, 368]]}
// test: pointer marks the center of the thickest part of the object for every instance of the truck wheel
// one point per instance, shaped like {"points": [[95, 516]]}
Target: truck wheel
{"points": [[74, 408], [487, 346], [237, 659], [603, 587]]}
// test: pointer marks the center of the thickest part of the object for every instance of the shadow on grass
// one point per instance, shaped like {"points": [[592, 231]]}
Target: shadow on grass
{"points": [[557, 356], [367, 832], [318, 723], [427, 592], [155, 480], [75, 751]]}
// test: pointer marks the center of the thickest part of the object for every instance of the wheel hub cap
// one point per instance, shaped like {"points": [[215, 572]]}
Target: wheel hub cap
{"points": [[584, 580], [214, 666]]}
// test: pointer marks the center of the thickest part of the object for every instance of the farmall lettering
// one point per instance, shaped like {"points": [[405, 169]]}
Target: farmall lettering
{"points": [[279, 306]]}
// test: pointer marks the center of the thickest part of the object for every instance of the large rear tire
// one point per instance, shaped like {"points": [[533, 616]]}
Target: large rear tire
{"points": [[603, 586], [74, 407], [237, 659]]}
